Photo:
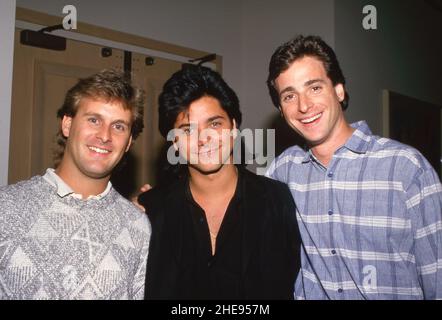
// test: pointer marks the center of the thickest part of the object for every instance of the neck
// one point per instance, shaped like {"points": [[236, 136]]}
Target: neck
{"points": [[325, 150], [216, 184], [81, 184]]}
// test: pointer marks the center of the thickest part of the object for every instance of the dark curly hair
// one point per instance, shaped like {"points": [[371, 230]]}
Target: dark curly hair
{"points": [[297, 48], [189, 84]]}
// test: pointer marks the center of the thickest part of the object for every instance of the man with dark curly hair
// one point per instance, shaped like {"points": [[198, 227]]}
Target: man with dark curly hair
{"points": [[218, 231]]}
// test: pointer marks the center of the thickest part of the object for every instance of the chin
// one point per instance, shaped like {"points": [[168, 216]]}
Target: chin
{"points": [[315, 141], [97, 174], [207, 169]]}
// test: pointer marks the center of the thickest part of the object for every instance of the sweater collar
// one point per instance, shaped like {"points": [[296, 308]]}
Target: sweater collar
{"points": [[63, 189]]}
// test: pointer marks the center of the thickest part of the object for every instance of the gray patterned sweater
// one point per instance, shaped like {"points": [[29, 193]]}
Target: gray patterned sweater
{"points": [[54, 247]]}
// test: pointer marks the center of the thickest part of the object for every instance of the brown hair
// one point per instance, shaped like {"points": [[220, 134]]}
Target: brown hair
{"points": [[107, 85], [297, 48]]}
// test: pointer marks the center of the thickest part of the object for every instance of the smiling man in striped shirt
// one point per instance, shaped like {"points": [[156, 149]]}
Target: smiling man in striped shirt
{"points": [[369, 207]]}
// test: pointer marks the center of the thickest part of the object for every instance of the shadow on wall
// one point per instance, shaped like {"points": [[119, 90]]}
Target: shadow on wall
{"points": [[123, 176], [285, 136]]}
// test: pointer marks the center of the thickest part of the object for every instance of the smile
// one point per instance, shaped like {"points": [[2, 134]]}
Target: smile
{"points": [[207, 152], [310, 120], [99, 150]]}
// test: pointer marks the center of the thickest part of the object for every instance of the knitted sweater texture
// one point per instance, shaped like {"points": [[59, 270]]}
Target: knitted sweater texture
{"points": [[54, 247]]}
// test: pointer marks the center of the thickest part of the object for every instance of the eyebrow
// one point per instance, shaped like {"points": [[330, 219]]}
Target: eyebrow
{"points": [[310, 82], [306, 84], [88, 114], [184, 125], [209, 120]]}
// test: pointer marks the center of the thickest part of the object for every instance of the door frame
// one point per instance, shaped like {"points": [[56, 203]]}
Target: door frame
{"points": [[86, 29], [386, 117], [87, 33]]}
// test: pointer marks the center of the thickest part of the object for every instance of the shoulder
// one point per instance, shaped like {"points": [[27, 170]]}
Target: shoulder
{"points": [[401, 153], [135, 216], [23, 190], [263, 181], [293, 154], [164, 203], [126, 205], [409, 163], [20, 203], [31, 183], [282, 165], [157, 195], [270, 187], [271, 198]]}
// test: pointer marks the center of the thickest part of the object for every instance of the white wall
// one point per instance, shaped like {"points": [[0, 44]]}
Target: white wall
{"points": [[403, 54], [211, 26], [7, 21], [266, 25], [244, 32]]}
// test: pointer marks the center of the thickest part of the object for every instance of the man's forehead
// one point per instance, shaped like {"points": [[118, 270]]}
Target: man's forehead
{"points": [[307, 65], [303, 72], [114, 109], [195, 117], [102, 104], [188, 120]]}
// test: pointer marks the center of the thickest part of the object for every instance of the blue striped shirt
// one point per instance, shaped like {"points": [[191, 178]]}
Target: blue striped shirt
{"points": [[370, 222]]}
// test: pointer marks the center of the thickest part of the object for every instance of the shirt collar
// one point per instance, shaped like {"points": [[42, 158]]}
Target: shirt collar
{"points": [[64, 190], [238, 189], [360, 139], [358, 142], [307, 156]]}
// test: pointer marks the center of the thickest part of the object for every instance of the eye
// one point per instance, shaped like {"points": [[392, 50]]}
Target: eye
{"points": [[215, 124], [93, 120], [288, 98], [120, 127], [187, 130], [316, 89]]}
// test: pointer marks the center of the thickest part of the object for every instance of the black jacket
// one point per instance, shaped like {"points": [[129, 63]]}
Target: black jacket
{"points": [[270, 246]]}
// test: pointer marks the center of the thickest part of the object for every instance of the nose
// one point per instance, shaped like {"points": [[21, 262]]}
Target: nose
{"points": [[104, 134], [204, 136], [304, 103]]}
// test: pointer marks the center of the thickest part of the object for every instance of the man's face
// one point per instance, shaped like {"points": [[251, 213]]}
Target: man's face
{"points": [[205, 137], [309, 101], [97, 138]]}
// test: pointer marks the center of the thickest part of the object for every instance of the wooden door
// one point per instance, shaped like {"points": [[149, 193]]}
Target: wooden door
{"points": [[41, 79], [416, 123], [143, 162]]}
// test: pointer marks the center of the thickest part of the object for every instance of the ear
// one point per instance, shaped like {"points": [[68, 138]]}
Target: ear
{"points": [[280, 112], [129, 144], [340, 91], [66, 123]]}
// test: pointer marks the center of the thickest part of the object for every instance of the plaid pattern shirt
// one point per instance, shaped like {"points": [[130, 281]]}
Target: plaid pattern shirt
{"points": [[370, 222]]}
